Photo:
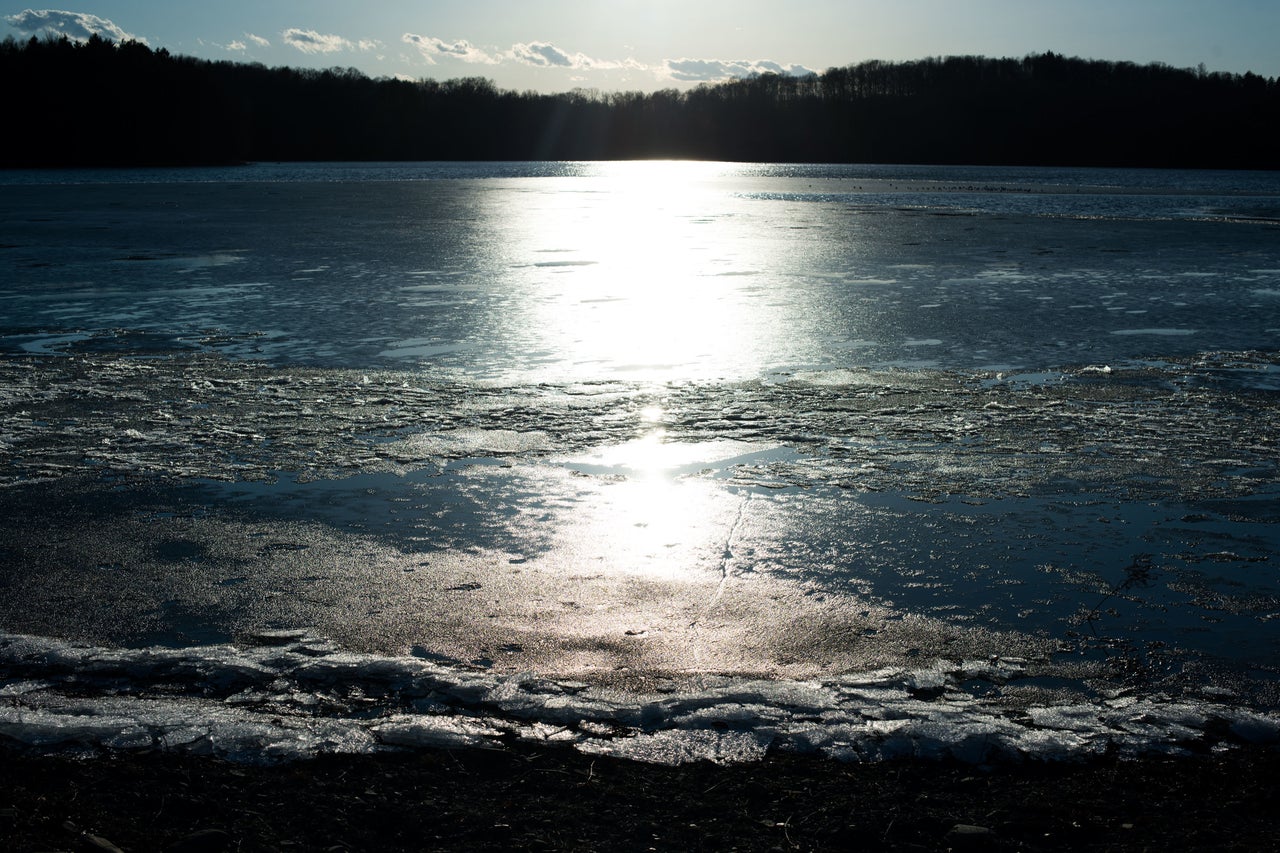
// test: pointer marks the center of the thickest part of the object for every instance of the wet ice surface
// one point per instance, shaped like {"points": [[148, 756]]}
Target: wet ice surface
{"points": [[299, 467], [665, 272], [643, 538]]}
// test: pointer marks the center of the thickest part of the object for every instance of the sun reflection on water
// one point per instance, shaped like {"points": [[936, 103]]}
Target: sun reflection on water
{"points": [[659, 508], [648, 270], [652, 272], [651, 522]]}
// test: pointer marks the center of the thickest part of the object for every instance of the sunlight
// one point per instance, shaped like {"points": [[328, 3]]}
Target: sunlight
{"points": [[642, 270], [670, 179], [645, 519], [657, 508]]}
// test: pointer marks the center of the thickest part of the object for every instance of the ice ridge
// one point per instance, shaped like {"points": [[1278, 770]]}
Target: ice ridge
{"points": [[304, 697]]}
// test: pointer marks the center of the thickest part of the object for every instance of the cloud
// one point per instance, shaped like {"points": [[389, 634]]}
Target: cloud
{"points": [[543, 55], [536, 53], [433, 48], [709, 70], [310, 41], [77, 26], [243, 45], [546, 55]]}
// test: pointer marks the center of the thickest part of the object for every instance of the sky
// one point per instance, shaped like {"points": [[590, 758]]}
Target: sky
{"points": [[643, 45]]}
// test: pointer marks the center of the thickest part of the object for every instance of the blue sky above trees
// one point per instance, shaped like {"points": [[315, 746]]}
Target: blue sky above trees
{"points": [[555, 45]]}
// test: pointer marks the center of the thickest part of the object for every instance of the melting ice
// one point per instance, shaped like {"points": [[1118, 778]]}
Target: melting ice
{"points": [[866, 463]]}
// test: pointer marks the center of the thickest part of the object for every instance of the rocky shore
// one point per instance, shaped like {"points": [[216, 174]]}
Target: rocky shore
{"points": [[548, 798]]}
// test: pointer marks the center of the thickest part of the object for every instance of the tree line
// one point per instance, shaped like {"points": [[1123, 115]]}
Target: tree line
{"points": [[98, 103]]}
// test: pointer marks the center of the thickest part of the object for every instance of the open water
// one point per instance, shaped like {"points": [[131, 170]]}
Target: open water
{"points": [[663, 460]]}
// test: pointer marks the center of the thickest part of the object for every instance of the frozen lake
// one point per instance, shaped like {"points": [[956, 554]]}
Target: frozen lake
{"points": [[667, 460], [640, 271]]}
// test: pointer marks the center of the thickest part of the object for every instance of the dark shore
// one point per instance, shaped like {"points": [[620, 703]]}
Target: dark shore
{"points": [[549, 798]]}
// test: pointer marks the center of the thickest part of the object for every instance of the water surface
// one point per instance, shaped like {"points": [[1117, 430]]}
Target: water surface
{"points": [[669, 460]]}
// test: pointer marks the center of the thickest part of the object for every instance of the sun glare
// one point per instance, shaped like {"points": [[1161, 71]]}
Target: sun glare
{"points": [[645, 272], [649, 515], [633, 272]]}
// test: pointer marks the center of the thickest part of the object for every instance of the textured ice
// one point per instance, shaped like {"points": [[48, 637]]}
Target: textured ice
{"points": [[289, 702], [1158, 332], [680, 746], [931, 431], [532, 412], [418, 730]]}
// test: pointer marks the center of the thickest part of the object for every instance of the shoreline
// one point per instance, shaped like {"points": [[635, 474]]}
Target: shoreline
{"points": [[538, 797]]}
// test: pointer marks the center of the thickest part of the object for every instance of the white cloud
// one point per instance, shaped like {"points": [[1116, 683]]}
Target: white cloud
{"points": [[546, 55], [433, 48], [77, 26], [709, 70], [243, 45], [543, 55], [538, 54], [369, 44], [310, 41]]}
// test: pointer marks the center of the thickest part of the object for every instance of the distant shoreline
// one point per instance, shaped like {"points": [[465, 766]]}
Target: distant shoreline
{"points": [[1037, 110]]}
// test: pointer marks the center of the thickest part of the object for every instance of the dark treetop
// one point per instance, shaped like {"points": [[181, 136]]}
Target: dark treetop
{"points": [[99, 103]]}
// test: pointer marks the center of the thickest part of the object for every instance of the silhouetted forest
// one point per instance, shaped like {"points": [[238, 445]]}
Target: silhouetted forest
{"points": [[100, 103]]}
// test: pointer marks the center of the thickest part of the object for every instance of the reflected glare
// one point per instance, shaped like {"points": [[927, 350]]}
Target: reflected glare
{"points": [[652, 414], [657, 507], [648, 269], [653, 271]]}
